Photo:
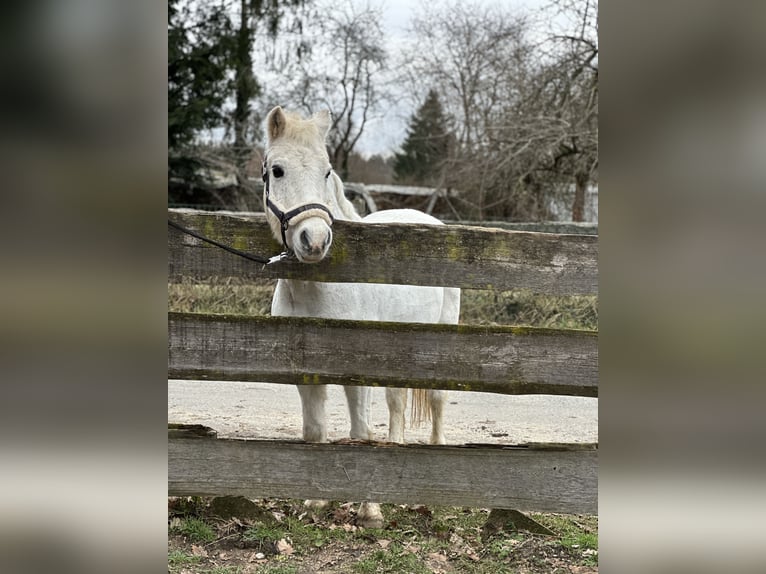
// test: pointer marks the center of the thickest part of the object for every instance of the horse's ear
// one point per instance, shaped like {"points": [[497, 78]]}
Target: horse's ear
{"points": [[347, 208], [323, 120], [275, 123]]}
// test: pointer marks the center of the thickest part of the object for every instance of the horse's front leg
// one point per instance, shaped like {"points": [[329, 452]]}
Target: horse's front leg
{"points": [[313, 399], [359, 407]]}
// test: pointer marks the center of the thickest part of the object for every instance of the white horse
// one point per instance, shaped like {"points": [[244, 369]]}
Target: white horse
{"points": [[303, 195]]}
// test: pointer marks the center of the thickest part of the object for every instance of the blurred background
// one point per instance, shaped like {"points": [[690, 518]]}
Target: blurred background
{"points": [[87, 135]]}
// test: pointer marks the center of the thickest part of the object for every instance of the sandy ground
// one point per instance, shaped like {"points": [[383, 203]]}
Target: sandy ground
{"points": [[263, 410]]}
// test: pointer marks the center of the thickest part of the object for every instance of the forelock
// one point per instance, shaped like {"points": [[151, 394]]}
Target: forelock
{"points": [[302, 131]]}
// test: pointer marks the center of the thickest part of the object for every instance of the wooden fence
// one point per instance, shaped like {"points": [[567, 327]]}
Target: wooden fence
{"points": [[507, 360]]}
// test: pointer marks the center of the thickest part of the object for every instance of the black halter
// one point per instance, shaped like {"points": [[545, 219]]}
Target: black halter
{"points": [[285, 217]]}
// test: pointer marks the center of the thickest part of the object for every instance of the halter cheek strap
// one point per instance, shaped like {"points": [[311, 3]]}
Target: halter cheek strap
{"points": [[295, 215]]}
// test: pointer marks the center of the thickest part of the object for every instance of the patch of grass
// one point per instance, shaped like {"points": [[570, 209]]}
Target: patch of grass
{"points": [[464, 565], [224, 570], [196, 530], [227, 295], [264, 533], [393, 559], [181, 558], [502, 548], [522, 307], [578, 534], [579, 530], [278, 569], [477, 307], [581, 540], [305, 535]]}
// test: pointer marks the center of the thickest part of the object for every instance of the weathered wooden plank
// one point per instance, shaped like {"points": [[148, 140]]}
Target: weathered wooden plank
{"points": [[562, 227], [405, 254], [508, 360], [539, 479]]}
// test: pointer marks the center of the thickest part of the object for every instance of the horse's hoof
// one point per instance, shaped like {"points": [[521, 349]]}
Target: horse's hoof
{"points": [[370, 522], [372, 519]]}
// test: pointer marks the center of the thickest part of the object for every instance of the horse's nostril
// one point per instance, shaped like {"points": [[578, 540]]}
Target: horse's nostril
{"points": [[327, 240], [305, 239]]}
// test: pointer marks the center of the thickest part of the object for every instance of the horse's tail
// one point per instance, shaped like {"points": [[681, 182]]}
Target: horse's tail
{"points": [[420, 411]]}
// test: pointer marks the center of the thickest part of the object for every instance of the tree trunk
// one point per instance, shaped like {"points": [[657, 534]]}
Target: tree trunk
{"points": [[578, 206], [245, 85]]}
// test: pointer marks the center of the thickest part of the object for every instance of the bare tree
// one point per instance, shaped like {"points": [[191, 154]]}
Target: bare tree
{"points": [[459, 48], [576, 60], [340, 71], [478, 58], [524, 115]]}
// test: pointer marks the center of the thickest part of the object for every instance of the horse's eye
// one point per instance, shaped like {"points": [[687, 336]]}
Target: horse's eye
{"points": [[329, 171], [277, 171]]}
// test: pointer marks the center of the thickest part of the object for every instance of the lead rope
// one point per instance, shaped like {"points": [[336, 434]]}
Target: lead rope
{"points": [[258, 259]]}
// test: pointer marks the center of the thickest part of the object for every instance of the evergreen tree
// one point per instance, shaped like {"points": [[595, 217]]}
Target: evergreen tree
{"points": [[426, 147], [210, 63], [200, 41]]}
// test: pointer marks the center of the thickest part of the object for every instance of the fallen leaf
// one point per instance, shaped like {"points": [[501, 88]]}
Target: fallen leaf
{"points": [[341, 515], [438, 557], [422, 509], [284, 547], [384, 543], [199, 551]]}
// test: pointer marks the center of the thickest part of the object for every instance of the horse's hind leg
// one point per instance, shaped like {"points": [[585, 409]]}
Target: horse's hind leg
{"points": [[397, 404], [359, 401], [437, 399]]}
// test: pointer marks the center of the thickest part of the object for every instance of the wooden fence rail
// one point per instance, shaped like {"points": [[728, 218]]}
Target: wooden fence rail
{"points": [[509, 360], [543, 478], [403, 254]]}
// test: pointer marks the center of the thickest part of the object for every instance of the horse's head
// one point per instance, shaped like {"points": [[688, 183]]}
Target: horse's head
{"points": [[300, 187]]}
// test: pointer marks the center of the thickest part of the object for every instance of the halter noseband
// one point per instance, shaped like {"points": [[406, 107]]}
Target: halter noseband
{"points": [[285, 217]]}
